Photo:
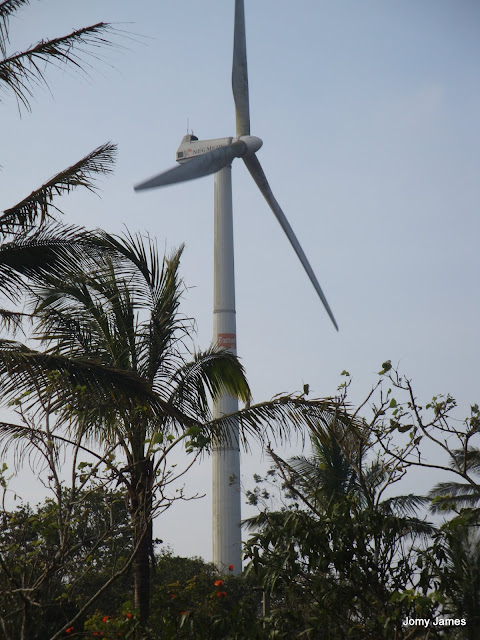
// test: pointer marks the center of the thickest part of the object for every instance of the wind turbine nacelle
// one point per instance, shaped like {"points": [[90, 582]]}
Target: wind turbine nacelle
{"points": [[191, 146]]}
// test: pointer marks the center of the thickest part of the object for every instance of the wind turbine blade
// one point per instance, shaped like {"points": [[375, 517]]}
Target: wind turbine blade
{"points": [[253, 165], [197, 167], [240, 72]]}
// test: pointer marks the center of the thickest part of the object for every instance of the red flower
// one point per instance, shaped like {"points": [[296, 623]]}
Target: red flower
{"points": [[172, 595], [128, 615], [230, 567], [218, 583], [69, 630], [221, 594], [105, 618]]}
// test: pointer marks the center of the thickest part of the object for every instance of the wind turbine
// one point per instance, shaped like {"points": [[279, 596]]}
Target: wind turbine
{"points": [[196, 159]]}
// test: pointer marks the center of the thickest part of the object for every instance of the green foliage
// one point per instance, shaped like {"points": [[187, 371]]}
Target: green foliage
{"points": [[455, 563], [192, 600], [54, 557], [337, 561], [189, 600], [112, 627]]}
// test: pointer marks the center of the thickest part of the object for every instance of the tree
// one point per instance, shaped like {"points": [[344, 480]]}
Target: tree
{"points": [[56, 556], [453, 495], [402, 426], [127, 320], [345, 556], [192, 600], [115, 369], [338, 559]]}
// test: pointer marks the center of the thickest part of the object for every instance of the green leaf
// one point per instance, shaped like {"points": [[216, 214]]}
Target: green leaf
{"points": [[405, 427], [386, 366]]}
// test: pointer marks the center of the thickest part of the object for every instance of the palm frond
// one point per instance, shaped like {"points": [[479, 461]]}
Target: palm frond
{"points": [[52, 249], [22, 438], [73, 324], [466, 460], [155, 286], [38, 206], [43, 378], [306, 468], [276, 420], [407, 525], [405, 506], [374, 476], [12, 320], [274, 519], [94, 315], [7, 8], [448, 496], [210, 374], [23, 71], [154, 279], [327, 475]]}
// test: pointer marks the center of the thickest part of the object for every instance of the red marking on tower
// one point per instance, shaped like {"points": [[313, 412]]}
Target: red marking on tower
{"points": [[227, 340]]}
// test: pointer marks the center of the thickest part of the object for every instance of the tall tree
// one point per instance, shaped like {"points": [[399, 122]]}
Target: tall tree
{"points": [[127, 321], [117, 364]]}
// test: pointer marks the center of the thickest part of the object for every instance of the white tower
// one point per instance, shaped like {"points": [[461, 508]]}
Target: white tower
{"points": [[226, 496], [198, 158]]}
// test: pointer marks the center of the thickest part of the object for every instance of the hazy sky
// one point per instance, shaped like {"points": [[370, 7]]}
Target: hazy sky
{"points": [[369, 116]]}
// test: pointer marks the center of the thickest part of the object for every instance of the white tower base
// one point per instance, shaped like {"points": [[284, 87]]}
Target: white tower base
{"points": [[226, 493]]}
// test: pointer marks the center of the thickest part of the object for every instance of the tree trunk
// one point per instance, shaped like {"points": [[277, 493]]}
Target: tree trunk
{"points": [[25, 632], [142, 572], [141, 513]]}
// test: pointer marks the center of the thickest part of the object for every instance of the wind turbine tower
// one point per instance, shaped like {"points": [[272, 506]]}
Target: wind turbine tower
{"points": [[196, 159]]}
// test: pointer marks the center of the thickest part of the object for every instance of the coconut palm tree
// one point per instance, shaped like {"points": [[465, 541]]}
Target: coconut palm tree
{"points": [[459, 540], [122, 323], [116, 364]]}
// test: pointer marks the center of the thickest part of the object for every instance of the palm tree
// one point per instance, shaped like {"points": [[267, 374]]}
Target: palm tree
{"points": [[342, 467], [115, 363], [123, 323], [459, 539]]}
